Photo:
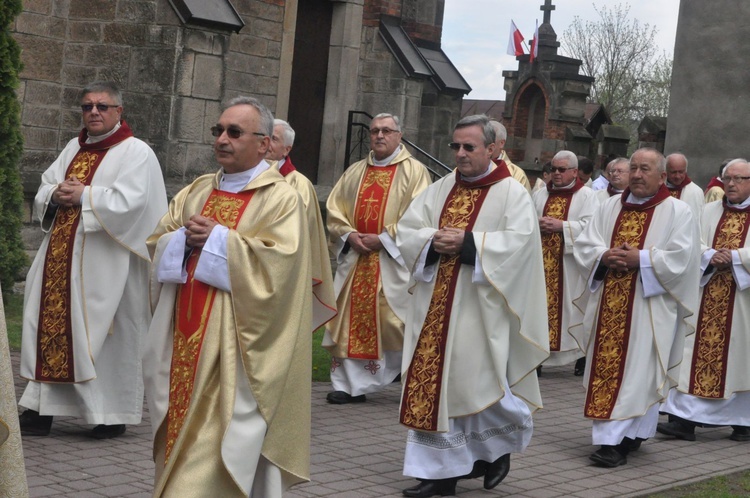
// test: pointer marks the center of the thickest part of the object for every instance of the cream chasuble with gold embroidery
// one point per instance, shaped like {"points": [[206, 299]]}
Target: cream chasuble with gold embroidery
{"points": [[365, 328], [254, 331], [634, 358], [497, 330]]}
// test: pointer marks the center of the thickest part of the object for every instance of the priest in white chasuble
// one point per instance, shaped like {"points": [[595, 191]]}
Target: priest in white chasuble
{"points": [[714, 384], [228, 362], [371, 284], [86, 309], [477, 324], [681, 186], [501, 136], [564, 208], [619, 177], [641, 255], [324, 300]]}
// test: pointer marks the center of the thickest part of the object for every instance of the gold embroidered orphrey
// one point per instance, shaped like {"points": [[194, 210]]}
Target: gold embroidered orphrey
{"points": [[552, 253], [189, 330], [421, 396], [55, 358], [616, 306], [713, 331], [363, 322]]}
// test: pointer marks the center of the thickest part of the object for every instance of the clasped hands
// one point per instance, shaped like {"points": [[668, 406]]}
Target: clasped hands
{"points": [[549, 225], [364, 243], [622, 258], [448, 240], [197, 230], [68, 193], [722, 259]]}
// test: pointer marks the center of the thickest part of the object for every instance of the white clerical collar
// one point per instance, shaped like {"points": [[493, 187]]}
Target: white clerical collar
{"points": [[670, 185], [234, 182], [741, 205], [570, 185], [471, 179], [387, 160], [281, 162], [99, 138], [638, 200]]}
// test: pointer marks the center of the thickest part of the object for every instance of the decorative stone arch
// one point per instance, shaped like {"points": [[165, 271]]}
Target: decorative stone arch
{"points": [[530, 116]]}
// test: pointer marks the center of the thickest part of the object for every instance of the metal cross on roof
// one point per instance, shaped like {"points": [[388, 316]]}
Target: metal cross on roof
{"points": [[547, 8]]}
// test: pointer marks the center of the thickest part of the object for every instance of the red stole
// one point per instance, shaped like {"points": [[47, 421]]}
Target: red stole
{"points": [[611, 190], [612, 333], [715, 182], [287, 167], [192, 309], [421, 397], [676, 190], [364, 303], [553, 250], [708, 370], [54, 360]]}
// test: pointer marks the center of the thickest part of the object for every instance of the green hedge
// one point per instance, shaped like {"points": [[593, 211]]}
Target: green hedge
{"points": [[12, 255]]}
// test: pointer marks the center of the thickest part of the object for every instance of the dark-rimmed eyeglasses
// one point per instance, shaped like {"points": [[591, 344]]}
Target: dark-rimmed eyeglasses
{"points": [[385, 131], [736, 179], [99, 107], [232, 132], [457, 146], [559, 169]]}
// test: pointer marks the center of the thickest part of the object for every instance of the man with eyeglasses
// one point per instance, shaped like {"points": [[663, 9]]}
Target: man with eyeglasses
{"points": [[714, 388], [618, 171], [641, 254], [86, 300], [681, 186], [564, 208], [227, 364], [365, 339], [501, 136], [324, 302], [477, 328]]}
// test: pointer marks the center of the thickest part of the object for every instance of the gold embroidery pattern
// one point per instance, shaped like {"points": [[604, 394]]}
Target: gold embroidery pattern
{"points": [[675, 193], [188, 332], [713, 334], [363, 321], [420, 404], [552, 252], [609, 353], [54, 336], [363, 328]]}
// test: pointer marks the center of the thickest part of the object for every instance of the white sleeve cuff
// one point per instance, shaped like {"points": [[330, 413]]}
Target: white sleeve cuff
{"points": [[424, 273], [478, 276], [740, 274], [651, 285], [390, 246], [339, 245], [212, 267], [705, 261], [171, 269]]}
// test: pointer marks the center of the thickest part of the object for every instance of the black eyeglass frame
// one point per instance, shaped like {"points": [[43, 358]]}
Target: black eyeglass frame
{"points": [[232, 132]]}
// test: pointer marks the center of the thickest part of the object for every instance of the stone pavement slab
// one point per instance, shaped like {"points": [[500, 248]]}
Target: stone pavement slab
{"points": [[357, 451]]}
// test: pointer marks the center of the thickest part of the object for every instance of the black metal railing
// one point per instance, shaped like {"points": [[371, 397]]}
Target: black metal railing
{"points": [[358, 145]]}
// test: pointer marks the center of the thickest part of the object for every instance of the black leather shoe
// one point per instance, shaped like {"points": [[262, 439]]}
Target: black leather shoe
{"points": [[342, 398], [679, 428], [430, 487], [33, 424], [629, 445], [496, 471], [740, 433], [608, 456], [580, 367], [107, 431], [479, 470]]}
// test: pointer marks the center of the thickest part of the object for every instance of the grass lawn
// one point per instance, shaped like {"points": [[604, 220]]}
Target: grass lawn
{"points": [[321, 361], [13, 317], [730, 486]]}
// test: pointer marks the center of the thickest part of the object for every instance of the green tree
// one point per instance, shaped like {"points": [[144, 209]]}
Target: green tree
{"points": [[12, 255], [631, 80]]}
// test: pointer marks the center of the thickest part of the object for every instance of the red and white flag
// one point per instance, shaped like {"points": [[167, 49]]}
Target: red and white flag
{"points": [[516, 38], [534, 42]]}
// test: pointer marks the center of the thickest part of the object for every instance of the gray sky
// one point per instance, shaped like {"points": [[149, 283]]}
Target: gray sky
{"points": [[475, 32]]}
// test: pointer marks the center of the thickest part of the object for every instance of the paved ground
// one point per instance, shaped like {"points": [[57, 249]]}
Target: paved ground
{"points": [[357, 451]]}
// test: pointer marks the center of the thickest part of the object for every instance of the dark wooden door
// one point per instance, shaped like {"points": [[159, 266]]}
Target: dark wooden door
{"points": [[308, 86]]}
